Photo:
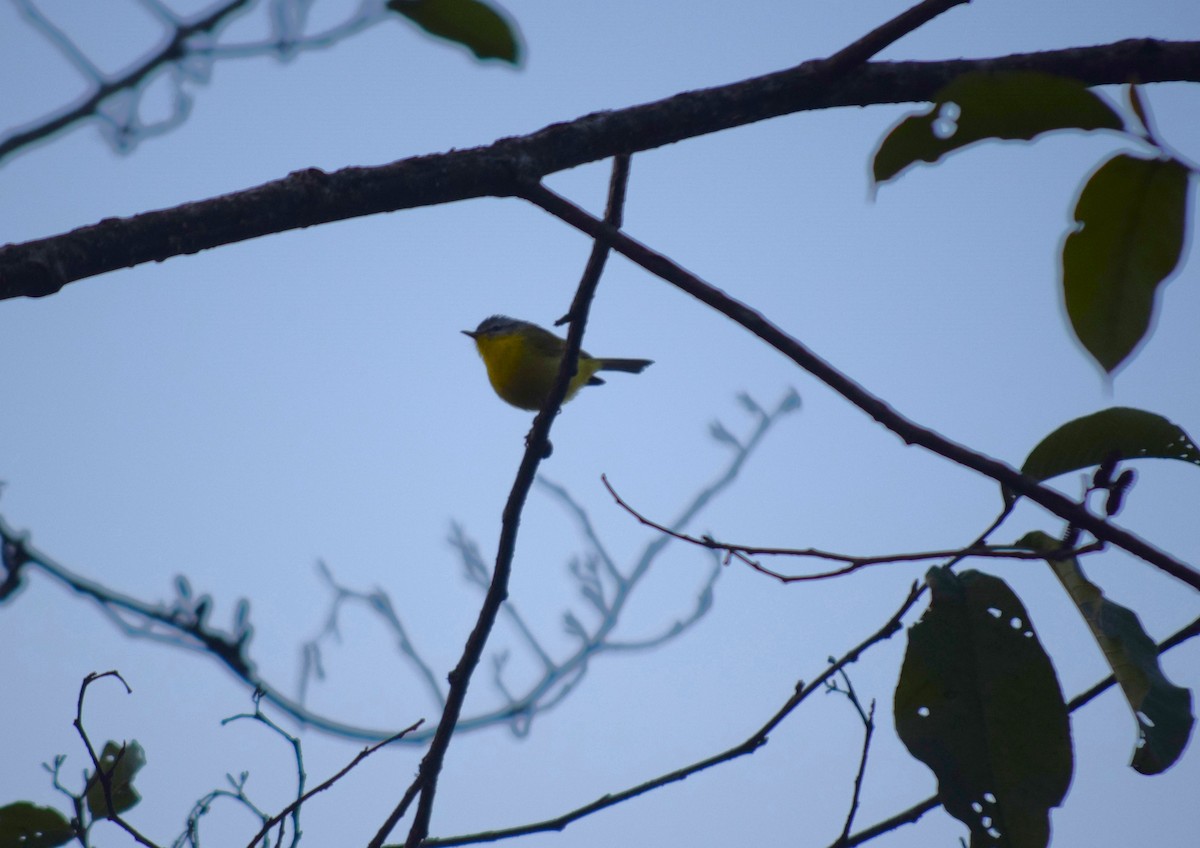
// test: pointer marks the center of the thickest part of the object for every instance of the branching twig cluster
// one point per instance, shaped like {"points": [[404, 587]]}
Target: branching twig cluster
{"points": [[183, 57], [88, 810], [185, 622]]}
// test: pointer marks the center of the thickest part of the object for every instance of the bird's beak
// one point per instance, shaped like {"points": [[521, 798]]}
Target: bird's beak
{"points": [[470, 333]]}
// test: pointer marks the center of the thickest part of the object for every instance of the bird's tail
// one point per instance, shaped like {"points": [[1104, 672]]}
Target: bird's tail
{"points": [[633, 366]]}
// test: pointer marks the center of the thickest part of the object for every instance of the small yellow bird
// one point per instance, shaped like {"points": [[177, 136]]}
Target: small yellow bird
{"points": [[522, 361]]}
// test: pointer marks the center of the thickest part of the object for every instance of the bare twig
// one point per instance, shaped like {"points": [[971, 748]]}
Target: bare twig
{"points": [[868, 732], [468, 551], [171, 50], [854, 563], [188, 44], [297, 753], [321, 787], [380, 603], [585, 525], [103, 776], [202, 807], [887, 34]]}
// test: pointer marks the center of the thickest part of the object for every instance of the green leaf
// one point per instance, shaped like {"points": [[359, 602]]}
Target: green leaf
{"points": [[1121, 431], [1163, 711], [474, 25], [24, 825], [979, 703], [121, 763], [1127, 239], [977, 106]]}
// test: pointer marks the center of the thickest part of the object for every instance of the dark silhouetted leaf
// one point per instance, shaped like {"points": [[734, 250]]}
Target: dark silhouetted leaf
{"points": [[1121, 431], [1019, 105], [979, 703], [1163, 711], [24, 825], [474, 25], [1128, 238], [121, 768]]}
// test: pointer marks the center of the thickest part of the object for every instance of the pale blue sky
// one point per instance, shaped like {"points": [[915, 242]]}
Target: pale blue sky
{"points": [[239, 414]]}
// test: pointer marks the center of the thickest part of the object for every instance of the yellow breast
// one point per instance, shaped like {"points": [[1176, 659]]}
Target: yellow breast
{"points": [[522, 374]]}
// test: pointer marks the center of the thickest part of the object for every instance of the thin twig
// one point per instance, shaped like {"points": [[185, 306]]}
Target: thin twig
{"points": [[297, 752], [887, 34], [171, 50], [321, 787], [585, 526], [854, 563], [187, 43], [868, 732], [381, 604], [477, 573], [105, 777]]}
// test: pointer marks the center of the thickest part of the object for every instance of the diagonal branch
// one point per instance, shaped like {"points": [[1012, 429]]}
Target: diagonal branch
{"points": [[505, 168], [910, 431], [326, 784]]}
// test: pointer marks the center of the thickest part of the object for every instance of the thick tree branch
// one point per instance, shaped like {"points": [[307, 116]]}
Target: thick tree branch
{"points": [[502, 169]]}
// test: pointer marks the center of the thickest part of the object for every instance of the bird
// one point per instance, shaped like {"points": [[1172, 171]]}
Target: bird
{"points": [[522, 361]]}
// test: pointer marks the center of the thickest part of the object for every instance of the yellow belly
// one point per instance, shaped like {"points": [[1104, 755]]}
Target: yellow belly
{"points": [[522, 375]]}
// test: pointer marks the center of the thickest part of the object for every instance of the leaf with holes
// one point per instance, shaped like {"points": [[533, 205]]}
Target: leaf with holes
{"points": [[121, 763], [474, 25], [29, 826], [1128, 237], [979, 703], [1163, 711], [1019, 105], [1120, 430]]}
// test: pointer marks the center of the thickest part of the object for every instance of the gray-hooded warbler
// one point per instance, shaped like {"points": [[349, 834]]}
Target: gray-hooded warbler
{"points": [[522, 361]]}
